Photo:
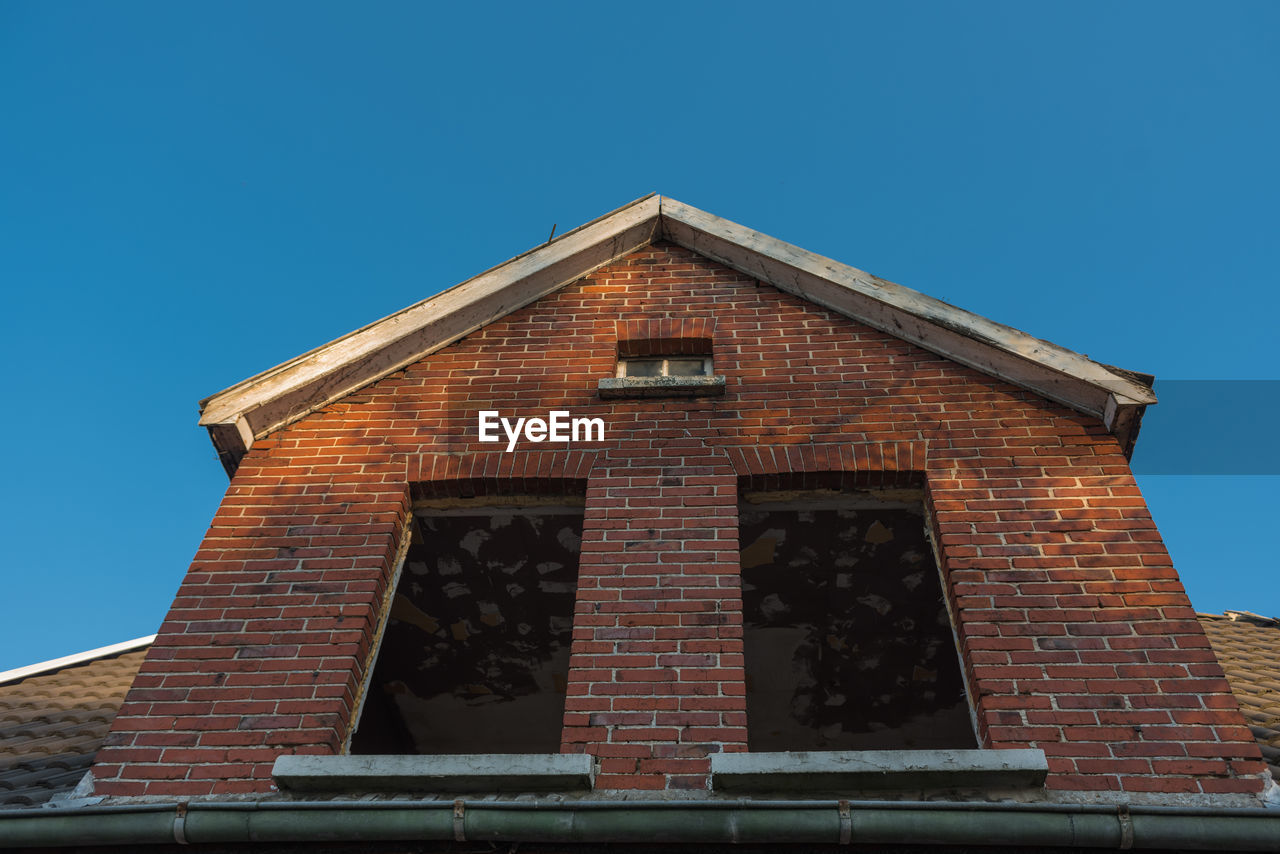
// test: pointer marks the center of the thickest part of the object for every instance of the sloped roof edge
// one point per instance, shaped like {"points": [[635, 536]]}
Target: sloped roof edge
{"points": [[72, 660], [270, 400]]}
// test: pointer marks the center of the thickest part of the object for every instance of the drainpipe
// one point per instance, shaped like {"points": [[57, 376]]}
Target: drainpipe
{"points": [[701, 822]]}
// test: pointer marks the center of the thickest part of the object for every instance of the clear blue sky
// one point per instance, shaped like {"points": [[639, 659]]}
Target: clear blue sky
{"points": [[193, 193]]}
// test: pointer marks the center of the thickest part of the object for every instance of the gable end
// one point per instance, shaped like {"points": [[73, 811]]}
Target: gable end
{"points": [[256, 407]]}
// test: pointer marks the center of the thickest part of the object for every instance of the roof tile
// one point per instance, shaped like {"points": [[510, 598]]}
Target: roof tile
{"points": [[1248, 648], [52, 724]]}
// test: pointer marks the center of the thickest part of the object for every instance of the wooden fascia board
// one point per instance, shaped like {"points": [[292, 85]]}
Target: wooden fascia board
{"points": [[961, 336], [274, 398], [257, 406]]}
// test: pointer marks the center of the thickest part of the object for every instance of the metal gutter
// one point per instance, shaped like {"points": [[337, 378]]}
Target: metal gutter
{"points": [[707, 822]]}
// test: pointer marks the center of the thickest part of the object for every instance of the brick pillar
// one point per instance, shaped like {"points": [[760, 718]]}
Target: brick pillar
{"points": [[656, 678]]}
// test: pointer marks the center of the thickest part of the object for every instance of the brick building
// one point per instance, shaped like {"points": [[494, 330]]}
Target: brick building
{"points": [[670, 531]]}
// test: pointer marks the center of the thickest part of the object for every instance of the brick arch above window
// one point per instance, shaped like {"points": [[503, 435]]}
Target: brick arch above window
{"points": [[498, 473], [829, 466], [665, 336]]}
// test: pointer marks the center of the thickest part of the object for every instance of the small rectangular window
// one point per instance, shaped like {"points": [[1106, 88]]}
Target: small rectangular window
{"points": [[684, 366]]}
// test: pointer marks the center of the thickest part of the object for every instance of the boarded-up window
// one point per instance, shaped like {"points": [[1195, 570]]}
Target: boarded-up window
{"points": [[475, 655], [847, 639]]}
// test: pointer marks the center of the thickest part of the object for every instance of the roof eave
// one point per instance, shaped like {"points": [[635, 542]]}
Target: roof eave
{"points": [[1114, 396], [264, 403]]}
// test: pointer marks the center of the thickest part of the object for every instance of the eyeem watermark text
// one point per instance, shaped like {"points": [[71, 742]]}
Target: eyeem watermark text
{"points": [[558, 426]]}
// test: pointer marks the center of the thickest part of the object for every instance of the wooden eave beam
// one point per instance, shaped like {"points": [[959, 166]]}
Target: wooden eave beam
{"points": [[961, 336], [274, 398], [257, 406]]}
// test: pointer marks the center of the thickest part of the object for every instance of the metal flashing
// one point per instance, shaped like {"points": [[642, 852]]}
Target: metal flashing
{"points": [[72, 660]]}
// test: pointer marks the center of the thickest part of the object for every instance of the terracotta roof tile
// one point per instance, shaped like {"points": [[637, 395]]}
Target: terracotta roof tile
{"points": [[52, 724], [1248, 648]]}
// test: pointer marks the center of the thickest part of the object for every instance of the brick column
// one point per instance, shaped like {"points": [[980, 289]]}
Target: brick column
{"points": [[656, 678]]}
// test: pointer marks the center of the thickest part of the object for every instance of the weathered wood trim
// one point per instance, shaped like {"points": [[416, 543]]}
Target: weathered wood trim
{"points": [[296, 388], [1123, 420], [257, 406], [961, 336], [232, 440]]}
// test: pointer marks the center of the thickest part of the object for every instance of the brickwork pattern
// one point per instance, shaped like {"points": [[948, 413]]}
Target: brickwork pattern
{"points": [[1075, 633], [656, 679]]}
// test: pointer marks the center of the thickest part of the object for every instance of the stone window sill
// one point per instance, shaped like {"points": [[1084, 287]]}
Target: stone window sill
{"points": [[624, 387], [488, 772], [878, 770]]}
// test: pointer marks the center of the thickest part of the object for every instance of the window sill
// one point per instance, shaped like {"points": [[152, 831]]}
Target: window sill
{"points": [[620, 387], [487, 772], [878, 770]]}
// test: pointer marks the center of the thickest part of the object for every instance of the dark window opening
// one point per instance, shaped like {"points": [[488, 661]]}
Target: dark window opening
{"points": [[475, 655], [684, 366], [848, 644]]}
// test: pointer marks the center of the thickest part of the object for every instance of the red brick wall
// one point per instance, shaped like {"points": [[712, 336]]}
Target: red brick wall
{"points": [[656, 680], [1075, 633]]}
